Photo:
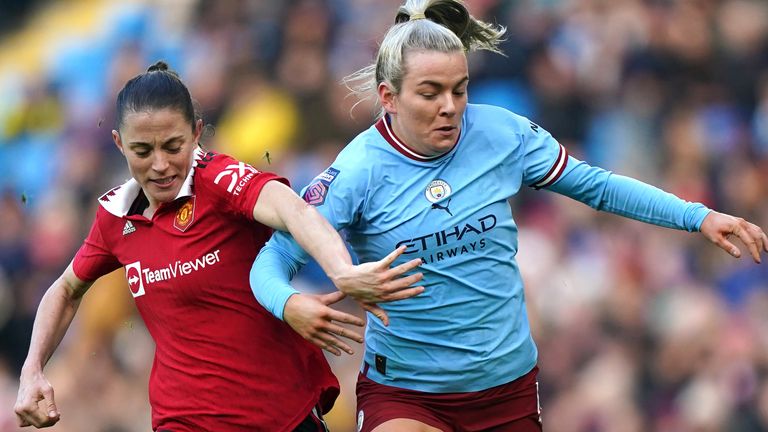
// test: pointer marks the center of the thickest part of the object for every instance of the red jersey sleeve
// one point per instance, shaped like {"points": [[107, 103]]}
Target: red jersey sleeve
{"points": [[235, 185], [93, 260]]}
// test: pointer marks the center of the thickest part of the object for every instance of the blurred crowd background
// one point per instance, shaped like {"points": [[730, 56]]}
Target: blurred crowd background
{"points": [[640, 328]]}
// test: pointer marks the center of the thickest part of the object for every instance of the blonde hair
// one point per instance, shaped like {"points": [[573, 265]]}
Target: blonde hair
{"points": [[433, 25]]}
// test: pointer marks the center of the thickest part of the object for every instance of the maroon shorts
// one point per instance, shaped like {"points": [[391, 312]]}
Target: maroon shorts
{"points": [[509, 407]]}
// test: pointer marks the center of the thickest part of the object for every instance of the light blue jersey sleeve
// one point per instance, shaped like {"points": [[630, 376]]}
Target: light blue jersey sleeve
{"points": [[599, 188], [335, 194], [541, 149], [625, 196], [277, 263]]}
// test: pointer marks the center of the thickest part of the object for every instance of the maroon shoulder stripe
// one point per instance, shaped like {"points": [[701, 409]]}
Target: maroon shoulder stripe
{"points": [[556, 170]]}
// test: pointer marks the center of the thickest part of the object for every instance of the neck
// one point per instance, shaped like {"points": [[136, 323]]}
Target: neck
{"points": [[407, 140], [149, 211], [151, 208]]}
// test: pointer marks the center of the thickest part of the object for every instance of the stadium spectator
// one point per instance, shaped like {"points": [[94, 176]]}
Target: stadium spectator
{"points": [[434, 174], [187, 227]]}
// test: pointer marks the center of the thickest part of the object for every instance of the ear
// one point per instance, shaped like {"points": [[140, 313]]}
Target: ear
{"points": [[387, 97], [118, 141], [198, 131]]}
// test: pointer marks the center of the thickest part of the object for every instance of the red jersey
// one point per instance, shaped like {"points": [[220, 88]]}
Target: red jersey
{"points": [[222, 362]]}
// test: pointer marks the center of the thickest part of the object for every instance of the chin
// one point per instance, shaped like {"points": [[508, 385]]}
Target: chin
{"points": [[165, 196], [444, 146]]}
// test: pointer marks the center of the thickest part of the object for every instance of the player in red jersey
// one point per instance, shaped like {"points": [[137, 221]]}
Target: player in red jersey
{"points": [[187, 227]]}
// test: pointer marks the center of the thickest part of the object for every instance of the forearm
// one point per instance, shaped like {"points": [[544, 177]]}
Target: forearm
{"points": [[637, 200], [54, 315], [628, 197], [319, 239], [280, 208]]}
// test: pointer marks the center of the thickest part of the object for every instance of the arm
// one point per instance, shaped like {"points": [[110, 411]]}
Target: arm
{"points": [[54, 315], [280, 208], [309, 315], [625, 196]]}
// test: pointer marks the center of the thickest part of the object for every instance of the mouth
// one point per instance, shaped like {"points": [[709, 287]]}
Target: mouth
{"points": [[446, 129], [446, 132], [163, 182]]}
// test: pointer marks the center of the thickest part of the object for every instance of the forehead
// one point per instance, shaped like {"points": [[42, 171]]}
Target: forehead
{"points": [[154, 121], [441, 67]]}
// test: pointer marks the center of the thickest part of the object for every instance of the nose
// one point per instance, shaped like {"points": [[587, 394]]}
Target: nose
{"points": [[159, 162], [448, 107]]}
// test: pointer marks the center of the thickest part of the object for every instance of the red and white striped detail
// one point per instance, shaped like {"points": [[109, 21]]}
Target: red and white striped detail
{"points": [[385, 129], [556, 170]]}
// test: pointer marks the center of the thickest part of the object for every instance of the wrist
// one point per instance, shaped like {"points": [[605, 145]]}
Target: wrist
{"points": [[339, 273], [281, 301], [31, 369]]}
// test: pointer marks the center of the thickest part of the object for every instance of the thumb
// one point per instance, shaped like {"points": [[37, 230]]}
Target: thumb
{"points": [[50, 403], [331, 298]]}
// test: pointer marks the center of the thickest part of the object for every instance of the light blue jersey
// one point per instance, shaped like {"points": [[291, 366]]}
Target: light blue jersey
{"points": [[468, 330]]}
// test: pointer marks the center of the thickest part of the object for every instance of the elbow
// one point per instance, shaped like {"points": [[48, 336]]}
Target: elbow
{"points": [[70, 292]]}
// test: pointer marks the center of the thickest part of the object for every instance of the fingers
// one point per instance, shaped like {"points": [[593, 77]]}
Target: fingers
{"points": [[338, 316], [37, 416], [718, 228], [331, 298], [50, 404], [398, 284], [345, 318], [313, 319], [754, 248], [389, 259], [377, 311], [345, 332], [729, 247], [327, 346], [405, 267], [403, 294], [765, 241], [327, 341], [36, 406], [752, 237], [761, 240]]}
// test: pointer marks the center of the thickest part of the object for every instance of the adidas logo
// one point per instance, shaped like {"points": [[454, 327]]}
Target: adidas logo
{"points": [[128, 228]]}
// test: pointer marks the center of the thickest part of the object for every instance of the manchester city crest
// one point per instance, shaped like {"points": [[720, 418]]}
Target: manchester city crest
{"points": [[437, 190]]}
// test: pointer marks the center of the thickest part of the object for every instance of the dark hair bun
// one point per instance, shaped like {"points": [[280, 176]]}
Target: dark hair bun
{"points": [[158, 66]]}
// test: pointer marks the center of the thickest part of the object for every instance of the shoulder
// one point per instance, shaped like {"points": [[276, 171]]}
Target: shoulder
{"points": [[213, 169], [106, 225], [102, 214], [211, 164]]}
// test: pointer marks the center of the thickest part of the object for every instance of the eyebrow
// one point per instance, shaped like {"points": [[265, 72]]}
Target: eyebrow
{"points": [[145, 144], [439, 85]]}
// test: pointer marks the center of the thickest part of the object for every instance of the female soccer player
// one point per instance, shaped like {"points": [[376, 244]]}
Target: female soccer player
{"points": [[434, 174], [187, 227]]}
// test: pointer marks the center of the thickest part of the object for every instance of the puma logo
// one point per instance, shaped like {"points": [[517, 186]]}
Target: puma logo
{"points": [[445, 207]]}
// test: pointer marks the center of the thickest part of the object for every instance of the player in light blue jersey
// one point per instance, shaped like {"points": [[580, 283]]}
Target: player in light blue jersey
{"points": [[431, 178]]}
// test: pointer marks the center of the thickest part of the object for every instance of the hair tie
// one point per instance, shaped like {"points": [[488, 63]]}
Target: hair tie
{"points": [[417, 16]]}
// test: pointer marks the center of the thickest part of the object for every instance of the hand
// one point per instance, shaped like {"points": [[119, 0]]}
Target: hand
{"points": [[29, 411], [718, 227], [375, 282], [310, 316]]}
